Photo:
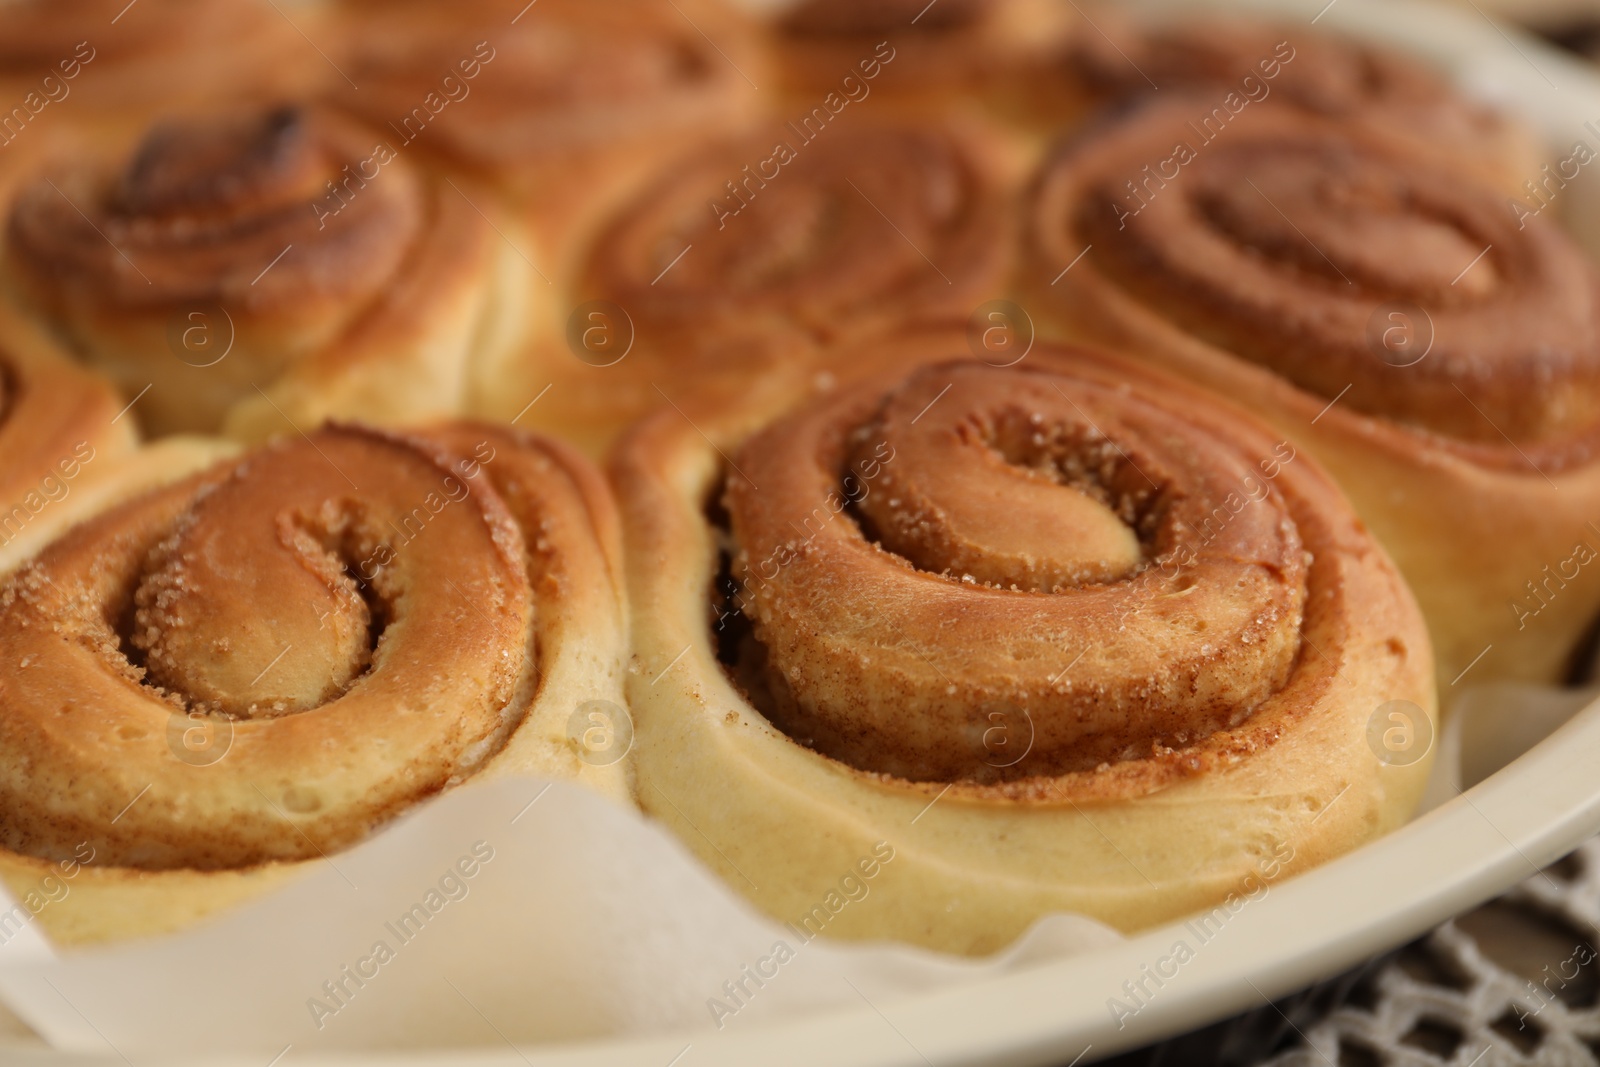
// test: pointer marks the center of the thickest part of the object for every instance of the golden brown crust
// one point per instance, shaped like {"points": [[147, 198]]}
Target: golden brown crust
{"points": [[1393, 97], [368, 618], [122, 64], [523, 89], [843, 235], [871, 223], [1457, 406], [1280, 243], [55, 420], [199, 204], [268, 268], [1025, 513], [36, 34], [832, 18], [798, 736], [927, 55], [562, 109]]}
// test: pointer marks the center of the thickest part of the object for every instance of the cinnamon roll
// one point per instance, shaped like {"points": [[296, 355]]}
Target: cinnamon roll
{"points": [[112, 65], [350, 622], [1440, 355], [1237, 62], [260, 271], [56, 421], [928, 55], [563, 103], [1060, 636], [743, 263]]}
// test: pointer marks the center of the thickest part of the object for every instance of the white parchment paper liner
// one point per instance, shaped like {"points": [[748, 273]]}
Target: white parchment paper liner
{"points": [[586, 920]]}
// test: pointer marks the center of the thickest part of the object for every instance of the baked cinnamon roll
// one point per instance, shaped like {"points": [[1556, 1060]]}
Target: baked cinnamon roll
{"points": [[1061, 636], [1233, 63], [351, 622], [68, 441], [1440, 355], [113, 65], [922, 56], [742, 263], [56, 422], [563, 103], [260, 271]]}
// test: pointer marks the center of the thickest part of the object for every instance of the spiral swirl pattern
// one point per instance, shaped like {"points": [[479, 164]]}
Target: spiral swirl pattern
{"points": [[1116, 577], [1328, 74], [1391, 96], [200, 209], [831, 236], [297, 244], [364, 614], [1101, 638], [1284, 243], [564, 77]]}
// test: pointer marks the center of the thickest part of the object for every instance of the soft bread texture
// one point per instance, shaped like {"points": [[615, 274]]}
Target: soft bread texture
{"points": [[700, 287], [69, 445], [1231, 62], [262, 270], [1439, 356], [56, 420], [357, 620], [841, 694]]}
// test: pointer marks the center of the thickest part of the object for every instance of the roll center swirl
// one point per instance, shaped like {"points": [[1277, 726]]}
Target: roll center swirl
{"points": [[800, 236], [1003, 495], [191, 594], [218, 165], [1350, 267], [203, 205], [1101, 572], [1328, 214], [354, 611]]}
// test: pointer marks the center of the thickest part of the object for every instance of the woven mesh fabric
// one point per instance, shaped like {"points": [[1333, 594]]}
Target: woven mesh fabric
{"points": [[1516, 981]]}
